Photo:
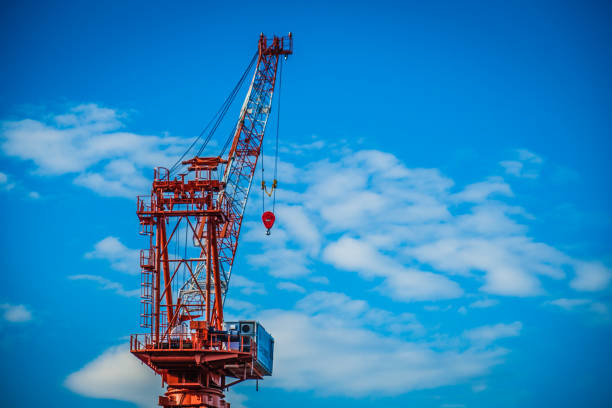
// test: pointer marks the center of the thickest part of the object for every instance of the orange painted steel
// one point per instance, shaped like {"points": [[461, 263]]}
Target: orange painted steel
{"points": [[193, 223]]}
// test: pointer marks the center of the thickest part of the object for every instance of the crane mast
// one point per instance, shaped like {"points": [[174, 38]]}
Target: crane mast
{"points": [[193, 223]]}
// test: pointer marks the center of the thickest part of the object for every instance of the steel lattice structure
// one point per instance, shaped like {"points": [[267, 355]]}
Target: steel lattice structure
{"points": [[193, 224]]}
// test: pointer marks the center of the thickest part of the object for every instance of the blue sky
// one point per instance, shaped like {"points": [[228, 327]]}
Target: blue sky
{"points": [[444, 212]]}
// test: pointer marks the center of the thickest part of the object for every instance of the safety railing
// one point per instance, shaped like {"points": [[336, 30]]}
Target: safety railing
{"points": [[143, 204], [161, 174], [174, 205], [147, 258], [188, 341]]}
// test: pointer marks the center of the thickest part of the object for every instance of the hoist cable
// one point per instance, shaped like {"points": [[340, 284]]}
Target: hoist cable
{"points": [[264, 190], [263, 181], [278, 115]]}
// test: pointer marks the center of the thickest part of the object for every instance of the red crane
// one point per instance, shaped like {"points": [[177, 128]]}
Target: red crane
{"points": [[193, 220]]}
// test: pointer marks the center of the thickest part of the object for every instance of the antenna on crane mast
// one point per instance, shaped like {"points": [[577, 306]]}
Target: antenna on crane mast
{"points": [[197, 353]]}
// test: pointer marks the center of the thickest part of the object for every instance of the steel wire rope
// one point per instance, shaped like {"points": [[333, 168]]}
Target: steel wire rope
{"points": [[227, 106], [217, 118], [275, 180], [278, 116]]}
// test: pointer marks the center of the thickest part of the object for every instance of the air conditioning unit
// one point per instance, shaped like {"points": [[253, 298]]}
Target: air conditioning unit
{"points": [[247, 328]]}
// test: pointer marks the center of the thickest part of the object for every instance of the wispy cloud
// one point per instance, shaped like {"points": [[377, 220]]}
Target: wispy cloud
{"points": [[88, 141], [525, 164], [15, 313], [400, 283], [481, 191], [121, 258], [290, 287], [485, 335], [8, 183], [481, 304], [5, 183], [247, 286], [571, 304], [106, 284], [357, 352], [319, 279], [413, 232], [590, 276]]}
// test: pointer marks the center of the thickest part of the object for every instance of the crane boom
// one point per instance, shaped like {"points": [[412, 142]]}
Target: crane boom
{"points": [[246, 145], [241, 161]]}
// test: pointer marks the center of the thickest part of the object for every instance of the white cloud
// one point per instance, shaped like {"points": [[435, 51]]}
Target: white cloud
{"points": [[118, 375], [511, 264], [591, 276], [319, 279], [401, 283], [15, 313], [410, 233], [247, 286], [484, 303], [485, 335], [120, 178], [245, 308], [5, 182], [301, 148], [512, 167], [87, 141], [282, 262], [106, 284], [479, 192], [321, 303], [120, 257], [360, 351], [297, 223], [580, 303], [8, 183], [525, 165], [569, 304], [290, 287], [480, 387], [528, 156], [357, 355]]}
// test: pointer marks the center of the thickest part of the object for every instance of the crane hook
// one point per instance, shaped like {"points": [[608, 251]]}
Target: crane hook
{"points": [[268, 219]]}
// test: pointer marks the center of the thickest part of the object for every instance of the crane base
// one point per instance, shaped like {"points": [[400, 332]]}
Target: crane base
{"points": [[203, 398]]}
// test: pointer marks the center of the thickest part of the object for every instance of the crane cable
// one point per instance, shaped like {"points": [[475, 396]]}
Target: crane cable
{"points": [[264, 189], [216, 119]]}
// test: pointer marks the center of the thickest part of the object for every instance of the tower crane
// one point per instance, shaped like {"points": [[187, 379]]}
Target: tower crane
{"points": [[192, 219]]}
